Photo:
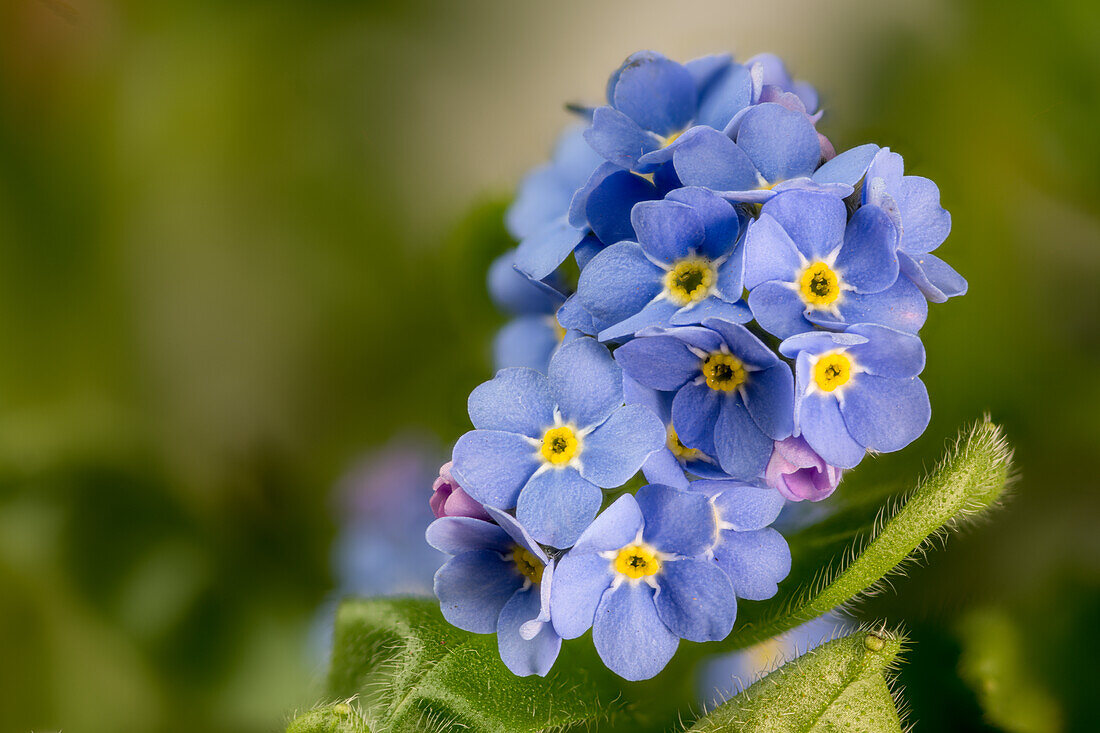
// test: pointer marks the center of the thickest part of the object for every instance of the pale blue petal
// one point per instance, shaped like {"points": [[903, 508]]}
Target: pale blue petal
{"points": [[741, 449], [662, 467], [516, 400], [658, 312], [492, 466], [769, 253], [586, 382], [900, 306], [609, 205], [712, 309], [613, 452], [656, 92], [677, 521], [744, 506], [721, 224], [629, 635], [696, 601], [814, 221], [769, 397], [618, 283], [694, 412], [778, 309], [667, 230], [936, 279], [580, 580], [556, 505], [727, 95], [886, 414], [658, 362], [823, 428], [743, 344], [887, 353], [526, 656], [848, 167], [540, 254], [615, 527], [868, 261], [618, 138], [525, 342], [708, 158], [754, 561], [455, 535], [473, 587], [781, 143]]}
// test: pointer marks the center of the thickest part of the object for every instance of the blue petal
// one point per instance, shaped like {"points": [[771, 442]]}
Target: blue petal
{"points": [[708, 158], [609, 205], [926, 223], [725, 97], [493, 466], [676, 521], [769, 253], [473, 587], [580, 581], [517, 532], [900, 306], [720, 222], [574, 317], [514, 401], [743, 344], [556, 505], [782, 143], [636, 394], [540, 254], [848, 167], [525, 342], [700, 338], [886, 414], [769, 397], [696, 601], [526, 656], [823, 428], [539, 200], [658, 312], [887, 353], [614, 451], [662, 467], [667, 230], [586, 382], [616, 527], [712, 309], [742, 450], [513, 291], [731, 277], [589, 247], [629, 635], [815, 342], [694, 412], [706, 69], [455, 535], [936, 279], [743, 506], [658, 362], [778, 309], [867, 261], [814, 221], [656, 92], [618, 138], [618, 282], [754, 561]]}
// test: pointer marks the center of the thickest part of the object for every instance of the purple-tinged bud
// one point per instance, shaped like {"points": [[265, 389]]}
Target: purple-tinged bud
{"points": [[798, 473], [449, 500]]}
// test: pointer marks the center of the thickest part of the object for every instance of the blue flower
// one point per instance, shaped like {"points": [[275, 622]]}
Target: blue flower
{"points": [[530, 339], [672, 464], [546, 445], [641, 579], [734, 397], [858, 391], [807, 265], [499, 580], [684, 267], [776, 149], [914, 204]]}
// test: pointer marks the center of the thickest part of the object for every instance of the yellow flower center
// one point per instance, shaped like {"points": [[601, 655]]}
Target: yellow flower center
{"points": [[559, 445], [690, 280], [818, 285], [723, 372], [832, 371], [637, 561], [673, 137], [559, 330], [527, 564], [678, 449]]}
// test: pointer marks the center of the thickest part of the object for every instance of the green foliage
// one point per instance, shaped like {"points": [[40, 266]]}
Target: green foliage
{"points": [[338, 718], [994, 664], [841, 685], [864, 541], [413, 673]]}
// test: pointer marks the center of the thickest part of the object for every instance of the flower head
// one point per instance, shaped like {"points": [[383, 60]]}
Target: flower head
{"points": [[798, 473], [733, 396], [547, 444], [498, 580], [858, 391]]}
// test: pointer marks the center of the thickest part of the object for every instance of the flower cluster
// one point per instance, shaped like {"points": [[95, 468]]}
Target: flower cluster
{"points": [[743, 330]]}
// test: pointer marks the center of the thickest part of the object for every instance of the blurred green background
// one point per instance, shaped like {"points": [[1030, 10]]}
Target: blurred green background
{"points": [[242, 243]]}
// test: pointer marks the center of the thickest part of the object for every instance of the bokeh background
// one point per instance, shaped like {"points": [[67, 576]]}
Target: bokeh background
{"points": [[243, 245]]}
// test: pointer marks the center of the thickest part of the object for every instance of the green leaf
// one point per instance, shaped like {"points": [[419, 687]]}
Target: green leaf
{"points": [[838, 686], [338, 718], [993, 663], [872, 532], [412, 672]]}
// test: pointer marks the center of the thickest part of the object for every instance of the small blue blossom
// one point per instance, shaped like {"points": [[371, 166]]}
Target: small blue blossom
{"points": [[640, 577], [675, 462], [807, 265], [734, 397], [499, 580], [913, 203], [684, 267], [858, 391], [530, 339], [547, 444]]}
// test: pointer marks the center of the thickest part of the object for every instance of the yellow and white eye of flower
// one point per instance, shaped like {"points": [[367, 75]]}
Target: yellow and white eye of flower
{"points": [[561, 444], [820, 286], [832, 372]]}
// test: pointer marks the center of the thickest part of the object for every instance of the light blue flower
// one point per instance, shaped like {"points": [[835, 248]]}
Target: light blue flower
{"points": [[547, 444], [530, 339], [685, 267], [640, 577], [499, 580], [734, 396], [858, 391], [807, 265], [913, 203]]}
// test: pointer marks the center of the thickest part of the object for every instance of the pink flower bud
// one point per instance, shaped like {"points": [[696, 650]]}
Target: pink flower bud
{"points": [[449, 500], [798, 473]]}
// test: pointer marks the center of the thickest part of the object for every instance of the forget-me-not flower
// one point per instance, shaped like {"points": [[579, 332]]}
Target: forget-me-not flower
{"points": [[547, 444]]}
